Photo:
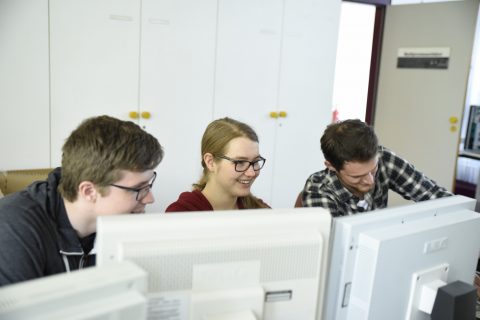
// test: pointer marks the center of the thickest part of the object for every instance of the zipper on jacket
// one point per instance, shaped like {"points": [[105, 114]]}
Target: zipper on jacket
{"points": [[83, 261]]}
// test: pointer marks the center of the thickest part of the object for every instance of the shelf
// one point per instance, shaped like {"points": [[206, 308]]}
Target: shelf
{"points": [[465, 188]]}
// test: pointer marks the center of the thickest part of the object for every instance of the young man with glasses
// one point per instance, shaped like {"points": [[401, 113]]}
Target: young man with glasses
{"points": [[107, 169], [231, 162], [359, 173]]}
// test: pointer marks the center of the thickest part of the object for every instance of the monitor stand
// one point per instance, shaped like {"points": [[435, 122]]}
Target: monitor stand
{"points": [[455, 301]]}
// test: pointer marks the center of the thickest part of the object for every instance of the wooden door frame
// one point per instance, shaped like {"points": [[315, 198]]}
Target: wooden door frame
{"points": [[375, 64]]}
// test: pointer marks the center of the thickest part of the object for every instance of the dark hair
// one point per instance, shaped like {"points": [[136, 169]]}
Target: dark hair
{"points": [[348, 141], [215, 140], [100, 147]]}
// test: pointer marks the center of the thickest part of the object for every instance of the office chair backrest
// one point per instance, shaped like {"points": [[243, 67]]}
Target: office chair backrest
{"points": [[15, 180]]}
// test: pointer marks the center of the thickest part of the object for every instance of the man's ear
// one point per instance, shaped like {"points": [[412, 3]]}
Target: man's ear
{"points": [[209, 160], [330, 166], [87, 191]]}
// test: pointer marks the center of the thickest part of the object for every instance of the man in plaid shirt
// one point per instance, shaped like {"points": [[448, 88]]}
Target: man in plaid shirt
{"points": [[359, 173]]}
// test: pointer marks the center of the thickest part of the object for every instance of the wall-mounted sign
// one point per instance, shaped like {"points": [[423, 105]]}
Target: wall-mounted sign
{"points": [[423, 58]]}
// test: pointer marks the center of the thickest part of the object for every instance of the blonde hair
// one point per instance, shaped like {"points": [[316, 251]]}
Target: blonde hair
{"points": [[215, 140]]}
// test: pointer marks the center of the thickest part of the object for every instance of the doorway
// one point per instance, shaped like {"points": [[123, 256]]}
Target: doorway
{"points": [[357, 61]]}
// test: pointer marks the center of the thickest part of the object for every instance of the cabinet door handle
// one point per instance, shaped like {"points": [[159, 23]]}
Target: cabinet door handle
{"points": [[273, 114], [146, 115], [133, 114], [282, 114]]}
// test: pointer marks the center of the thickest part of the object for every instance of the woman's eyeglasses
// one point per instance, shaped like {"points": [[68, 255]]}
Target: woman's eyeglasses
{"points": [[243, 165]]}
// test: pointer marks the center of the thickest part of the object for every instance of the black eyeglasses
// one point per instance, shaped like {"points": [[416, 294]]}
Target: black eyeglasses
{"points": [[141, 192], [243, 165]]}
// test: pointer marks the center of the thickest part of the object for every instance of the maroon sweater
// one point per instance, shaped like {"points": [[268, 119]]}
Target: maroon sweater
{"points": [[193, 201]]}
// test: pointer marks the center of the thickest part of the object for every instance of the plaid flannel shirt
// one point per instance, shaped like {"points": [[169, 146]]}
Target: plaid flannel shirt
{"points": [[324, 189]]}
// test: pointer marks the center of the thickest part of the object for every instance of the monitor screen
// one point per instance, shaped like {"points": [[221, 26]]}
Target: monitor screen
{"points": [[257, 264], [380, 261], [100, 293]]}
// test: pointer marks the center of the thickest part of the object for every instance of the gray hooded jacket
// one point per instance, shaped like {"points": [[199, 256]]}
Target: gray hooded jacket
{"points": [[36, 237]]}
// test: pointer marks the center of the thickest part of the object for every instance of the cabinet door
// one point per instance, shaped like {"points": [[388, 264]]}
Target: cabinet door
{"points": [[279, 56], [247, 72], [176, 87], [24, 89], [305, 93], [94, 54]]}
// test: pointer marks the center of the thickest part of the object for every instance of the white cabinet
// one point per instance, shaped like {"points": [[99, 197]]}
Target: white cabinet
{"points": [[94, 54], [177, 65], [305, 93], [176, 87], [247, 71], [155, 59], [24, 100], [275, 56]]}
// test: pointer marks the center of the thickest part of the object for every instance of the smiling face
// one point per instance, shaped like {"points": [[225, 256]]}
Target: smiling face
{"points": [[94, 201], [223, 176], [358, 177], [121, 199]]}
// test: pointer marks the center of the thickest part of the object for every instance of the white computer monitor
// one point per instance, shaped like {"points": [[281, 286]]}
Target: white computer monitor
{"points": [[257, 264], [382, 260], [101, 293]]}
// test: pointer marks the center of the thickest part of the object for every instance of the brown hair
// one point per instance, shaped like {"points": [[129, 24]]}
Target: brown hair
{"points": [[100, 147], [348, 141], [215, 140]]}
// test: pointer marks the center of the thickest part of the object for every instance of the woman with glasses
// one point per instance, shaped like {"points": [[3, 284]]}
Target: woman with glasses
{"points": [[231, 162]]}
